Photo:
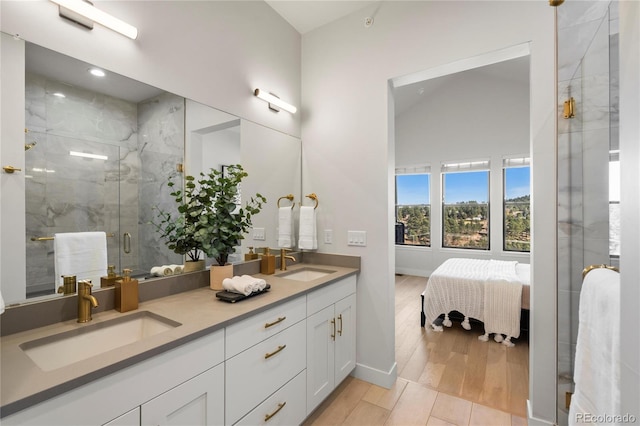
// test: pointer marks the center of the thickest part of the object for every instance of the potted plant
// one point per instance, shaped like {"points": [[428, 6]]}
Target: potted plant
{"points": [[211, 218]]}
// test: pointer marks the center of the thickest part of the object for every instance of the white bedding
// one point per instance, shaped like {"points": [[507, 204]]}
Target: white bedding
{"points": [[490, 291]]}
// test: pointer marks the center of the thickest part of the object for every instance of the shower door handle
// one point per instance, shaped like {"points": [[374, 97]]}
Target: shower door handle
{"points": [[126, 243]]}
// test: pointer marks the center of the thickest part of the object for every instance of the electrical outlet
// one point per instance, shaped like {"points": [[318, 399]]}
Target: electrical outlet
{"points": [[328, 236], [258, 234], [357, 238]]}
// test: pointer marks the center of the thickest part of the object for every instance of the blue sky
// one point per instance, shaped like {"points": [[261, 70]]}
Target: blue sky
{"points": [[460, 187]]}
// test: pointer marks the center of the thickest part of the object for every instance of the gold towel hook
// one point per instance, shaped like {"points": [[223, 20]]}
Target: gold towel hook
{"points": [[288, 197], [590, 268]]}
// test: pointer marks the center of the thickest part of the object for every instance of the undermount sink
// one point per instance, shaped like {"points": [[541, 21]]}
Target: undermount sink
{"points": [[306, 274], [59, 350]]}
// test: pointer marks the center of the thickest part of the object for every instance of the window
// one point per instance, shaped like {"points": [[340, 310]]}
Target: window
{"points": [[517, 205], [465, 205], [413, 208], [614, 203]]}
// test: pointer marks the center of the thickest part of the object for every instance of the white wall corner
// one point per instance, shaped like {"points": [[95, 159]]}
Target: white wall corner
{"points": [[386, 379]]}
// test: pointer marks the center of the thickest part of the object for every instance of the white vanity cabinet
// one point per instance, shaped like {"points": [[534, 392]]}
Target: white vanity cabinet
{"points": [[268, 351], [200, 401], [331, 338]]}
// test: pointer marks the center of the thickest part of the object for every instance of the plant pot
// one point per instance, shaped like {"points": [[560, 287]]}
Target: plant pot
{"points": [[193, 265], [219, 273]]}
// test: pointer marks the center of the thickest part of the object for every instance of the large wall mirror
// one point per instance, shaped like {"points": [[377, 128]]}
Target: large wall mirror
{"points": [[99, 151]]}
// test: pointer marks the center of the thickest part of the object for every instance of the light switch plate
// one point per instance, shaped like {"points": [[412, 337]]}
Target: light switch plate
{"points": [[258, 234], [357, 238], [328, 236]]}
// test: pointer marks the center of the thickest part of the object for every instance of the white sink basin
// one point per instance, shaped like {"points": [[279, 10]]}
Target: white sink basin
{"points": [[66, 348], [306, 274]]}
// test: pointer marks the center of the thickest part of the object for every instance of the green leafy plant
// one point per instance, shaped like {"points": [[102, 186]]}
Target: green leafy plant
{"points": [[210, 219]]}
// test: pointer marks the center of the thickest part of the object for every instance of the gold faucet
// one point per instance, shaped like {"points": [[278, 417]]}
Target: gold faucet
{"points": [[283, 259], [85, 301]]}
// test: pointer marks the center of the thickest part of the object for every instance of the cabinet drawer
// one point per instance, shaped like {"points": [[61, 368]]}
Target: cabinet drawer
{"points": [[259, 371], [287, 406], [320, 299], [248, 332]]}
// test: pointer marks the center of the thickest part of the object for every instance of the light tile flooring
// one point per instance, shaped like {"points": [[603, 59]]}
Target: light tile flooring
{"points": [[443, 378]]}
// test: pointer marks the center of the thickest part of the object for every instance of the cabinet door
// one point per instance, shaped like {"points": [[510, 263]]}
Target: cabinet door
{"points": [[345, 351], [320, 356], [131, 418], [199, 401]]}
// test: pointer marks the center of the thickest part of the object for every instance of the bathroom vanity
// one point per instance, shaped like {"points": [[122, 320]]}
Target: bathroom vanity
{"points": [[272, 357]]}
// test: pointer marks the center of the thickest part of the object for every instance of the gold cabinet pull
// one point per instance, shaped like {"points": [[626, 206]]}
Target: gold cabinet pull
{"points": [[267, 417], [340, 329], [333, 323], [279, 320], [281, 347], [10, 169]]}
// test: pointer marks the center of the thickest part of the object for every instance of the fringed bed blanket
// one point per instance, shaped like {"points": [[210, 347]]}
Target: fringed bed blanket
{"points": [[487, 290]]}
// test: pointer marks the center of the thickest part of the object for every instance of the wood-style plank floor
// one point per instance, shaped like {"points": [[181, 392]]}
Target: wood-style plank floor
{"points": [[448, 378]]}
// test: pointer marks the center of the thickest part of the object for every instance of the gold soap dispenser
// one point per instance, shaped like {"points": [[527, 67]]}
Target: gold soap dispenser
{"points": [[251, 255], [126, 292], [111, 278], [268, 262]]}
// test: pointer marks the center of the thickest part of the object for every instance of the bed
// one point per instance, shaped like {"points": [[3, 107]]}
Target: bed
{"points": [[488, 290]]}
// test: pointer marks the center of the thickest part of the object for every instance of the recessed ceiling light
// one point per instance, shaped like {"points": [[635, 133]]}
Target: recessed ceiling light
{"points": [[97, 72]]}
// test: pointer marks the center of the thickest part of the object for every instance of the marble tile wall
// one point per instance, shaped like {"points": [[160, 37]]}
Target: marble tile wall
{"points": [[143, 143], [583, 155]]}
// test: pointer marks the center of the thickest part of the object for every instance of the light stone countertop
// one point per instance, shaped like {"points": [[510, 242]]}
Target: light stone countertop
{"points": [[24, 384]]}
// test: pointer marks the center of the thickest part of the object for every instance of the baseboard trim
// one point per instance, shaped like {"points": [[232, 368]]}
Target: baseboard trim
{"points": [[385, 379], [533, 421], [415, 272]]}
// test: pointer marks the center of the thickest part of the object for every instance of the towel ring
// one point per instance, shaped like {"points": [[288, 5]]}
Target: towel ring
{"points": [[288, 197], [314, 197], [590, 268]]}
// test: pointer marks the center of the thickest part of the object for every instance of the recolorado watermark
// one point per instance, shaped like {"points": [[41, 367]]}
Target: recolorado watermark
{"points": [[605, 418]]}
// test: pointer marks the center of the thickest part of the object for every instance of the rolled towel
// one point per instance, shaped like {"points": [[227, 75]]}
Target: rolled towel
{"points": [[176, 269], [161, 271], [244, 284]]}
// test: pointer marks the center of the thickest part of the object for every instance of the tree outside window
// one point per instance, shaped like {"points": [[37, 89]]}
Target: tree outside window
{"points": [[517, 208], [413, 209]]}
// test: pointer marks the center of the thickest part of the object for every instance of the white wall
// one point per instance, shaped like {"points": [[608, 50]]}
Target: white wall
{"points": [[470, 116], [630, 205], [348, 150]]}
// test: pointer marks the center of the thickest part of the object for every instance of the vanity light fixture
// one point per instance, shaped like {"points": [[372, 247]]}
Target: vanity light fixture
{"points": [[80, 11], [274, 101], [87, 155]]}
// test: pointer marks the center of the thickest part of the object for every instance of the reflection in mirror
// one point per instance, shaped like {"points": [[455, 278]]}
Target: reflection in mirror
{"points": [[130, 137]]}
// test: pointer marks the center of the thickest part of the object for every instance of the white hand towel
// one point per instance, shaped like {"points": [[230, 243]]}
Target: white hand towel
{"points": [[244, 284], [308, 236], [1, 304], [285, 227], [176, 269], [161, 271], [83, 254], [597, 364]]}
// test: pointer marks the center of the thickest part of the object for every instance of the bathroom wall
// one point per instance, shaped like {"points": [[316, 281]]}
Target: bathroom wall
{"points": [[348, 143], [584, 30], [472, 115]]}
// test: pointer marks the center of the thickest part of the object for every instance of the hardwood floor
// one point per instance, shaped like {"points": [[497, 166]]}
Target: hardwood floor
{"points": [[448, 378]]}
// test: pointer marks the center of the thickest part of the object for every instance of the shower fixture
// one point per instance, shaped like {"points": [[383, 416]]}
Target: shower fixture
{"points": [[28, 146]]}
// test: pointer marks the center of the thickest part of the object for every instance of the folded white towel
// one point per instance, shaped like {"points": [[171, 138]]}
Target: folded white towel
{"points": [[83, 254], [161, 271], [285, 227], [176, 269], [244, 284], [1, 304], [308, 236], [597, 363]]}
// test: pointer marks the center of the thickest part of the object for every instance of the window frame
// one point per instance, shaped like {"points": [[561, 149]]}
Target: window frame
{"points": [[465, 167], [513, 163], [414, 170]]}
